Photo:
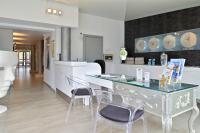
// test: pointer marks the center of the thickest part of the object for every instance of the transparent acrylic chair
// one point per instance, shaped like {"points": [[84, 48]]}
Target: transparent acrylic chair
{"points": [[114, 107], [80, 90]]}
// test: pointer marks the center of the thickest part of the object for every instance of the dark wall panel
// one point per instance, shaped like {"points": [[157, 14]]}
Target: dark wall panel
{"points": [[160, 24]]}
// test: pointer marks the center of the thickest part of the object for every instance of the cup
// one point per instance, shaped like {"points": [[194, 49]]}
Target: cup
{"points": [[147, 77]]}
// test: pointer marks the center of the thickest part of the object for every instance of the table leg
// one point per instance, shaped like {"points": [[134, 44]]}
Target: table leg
{"points": [[86, 101], [167, 124], [166, 114], [193, 117]]}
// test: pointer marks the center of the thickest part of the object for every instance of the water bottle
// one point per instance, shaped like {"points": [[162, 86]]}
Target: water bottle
{"points": [[149, 61], [163, 59], [153, 62]]}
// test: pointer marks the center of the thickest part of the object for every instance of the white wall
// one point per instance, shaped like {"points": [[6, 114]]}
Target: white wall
{"points": [[49, 74], [6, 40], [35, 11], [111, 30]]}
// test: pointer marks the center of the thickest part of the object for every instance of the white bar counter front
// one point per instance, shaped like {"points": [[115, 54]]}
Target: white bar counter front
{"points": [[75, 69]]}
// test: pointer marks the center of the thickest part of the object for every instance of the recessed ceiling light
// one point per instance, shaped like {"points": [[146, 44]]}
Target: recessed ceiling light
{"points": [[18, 34], [60, 12], [19, 38], [54, 11], [49, 11], [22, 43]]}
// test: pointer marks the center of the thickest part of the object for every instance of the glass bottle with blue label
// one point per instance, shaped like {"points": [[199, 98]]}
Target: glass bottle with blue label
{"points": [[153, 62], [163, 59], [149, 61]]}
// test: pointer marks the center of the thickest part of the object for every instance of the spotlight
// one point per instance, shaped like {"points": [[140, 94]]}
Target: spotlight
{"points": [[60, 13], [49, 11], [54, 11]]}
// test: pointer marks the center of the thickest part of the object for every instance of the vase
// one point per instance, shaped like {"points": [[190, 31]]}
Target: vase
{"points": [[123, 54]]}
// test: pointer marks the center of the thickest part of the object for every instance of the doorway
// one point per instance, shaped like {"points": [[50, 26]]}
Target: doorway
{"points": [[92, 48], [24, 58]]}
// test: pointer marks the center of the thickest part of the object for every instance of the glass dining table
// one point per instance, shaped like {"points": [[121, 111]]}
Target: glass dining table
{"points": [[165, 102]]}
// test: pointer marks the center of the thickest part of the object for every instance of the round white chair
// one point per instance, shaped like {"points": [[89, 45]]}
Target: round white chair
{"points": [[4, 87], [8, 62]]}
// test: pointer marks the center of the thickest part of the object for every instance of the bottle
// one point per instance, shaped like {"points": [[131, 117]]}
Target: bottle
{"points": [[139, 74], [163, 59], [149, 61], [153, 62]]}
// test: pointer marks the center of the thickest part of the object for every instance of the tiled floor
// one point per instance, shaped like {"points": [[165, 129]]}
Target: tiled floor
{"points": [[34, 108]]}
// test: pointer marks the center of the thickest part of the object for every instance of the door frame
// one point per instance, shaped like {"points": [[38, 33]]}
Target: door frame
{"points": [[84, 44], [24, 58]]}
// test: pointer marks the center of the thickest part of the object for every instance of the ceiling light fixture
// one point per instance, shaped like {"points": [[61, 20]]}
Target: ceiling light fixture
{"points": [[54, 11], [49, 11], [60, 13], [18, 34], [19, 38], [28, 43], [17, 42]]}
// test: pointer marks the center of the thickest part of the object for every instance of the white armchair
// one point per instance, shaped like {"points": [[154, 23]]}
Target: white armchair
{"points": [[8, 62]]}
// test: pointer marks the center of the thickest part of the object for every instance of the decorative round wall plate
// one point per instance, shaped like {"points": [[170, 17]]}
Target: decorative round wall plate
{"points": [[154, 43], [140, 45], [169, 42], [188, 40]]}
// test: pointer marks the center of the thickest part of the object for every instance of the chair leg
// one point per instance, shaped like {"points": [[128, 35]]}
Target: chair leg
{"points": [[91, 107], [95, 122], [145, 126], [96, 118], [129, 128], [69, 109], [111, 129]]}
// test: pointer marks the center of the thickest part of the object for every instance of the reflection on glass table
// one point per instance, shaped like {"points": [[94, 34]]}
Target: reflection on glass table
{"points": [[152, 85], [165, 102]]}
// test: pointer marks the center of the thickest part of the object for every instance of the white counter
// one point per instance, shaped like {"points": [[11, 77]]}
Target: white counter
{"points": [[191, 75], [75, 69], [64, 63]]}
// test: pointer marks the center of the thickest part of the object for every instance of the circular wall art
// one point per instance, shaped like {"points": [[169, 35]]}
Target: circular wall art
{"points": [[188, 40], [169, 42], [154, 43], [140, 45]]}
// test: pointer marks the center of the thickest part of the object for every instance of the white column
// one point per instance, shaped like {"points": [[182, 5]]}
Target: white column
{"points": [[57, 37], [65, 44]]}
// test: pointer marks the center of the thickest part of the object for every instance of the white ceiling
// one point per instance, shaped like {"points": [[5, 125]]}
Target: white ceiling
{"points": [[143, 8], [129, 9]]}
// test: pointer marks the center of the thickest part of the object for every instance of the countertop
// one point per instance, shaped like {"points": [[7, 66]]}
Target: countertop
{"points": [[69, 63]]}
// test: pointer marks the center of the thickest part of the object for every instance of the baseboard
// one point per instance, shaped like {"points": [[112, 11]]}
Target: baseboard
{"points": [[49, 86], [60, 93], [64, 96]]}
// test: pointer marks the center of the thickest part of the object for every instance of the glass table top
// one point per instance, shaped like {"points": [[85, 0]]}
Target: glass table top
{"points": [[152, 85]]}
